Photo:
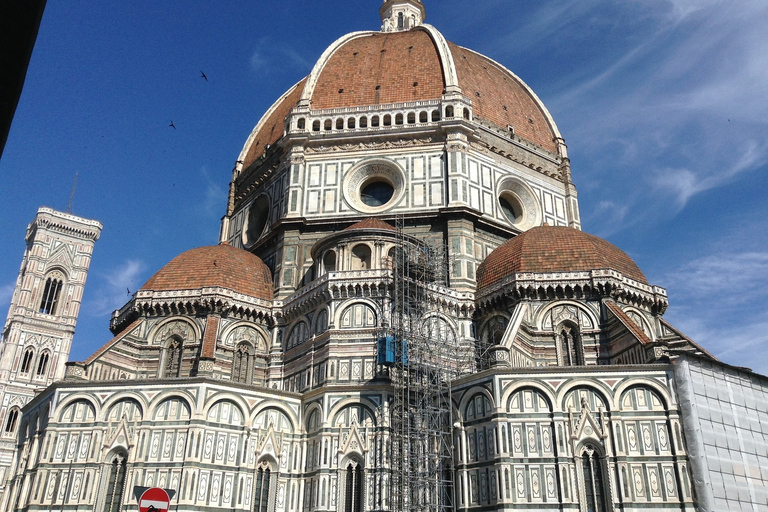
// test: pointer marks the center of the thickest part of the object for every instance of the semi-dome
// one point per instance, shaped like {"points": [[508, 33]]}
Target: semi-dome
{"points": [[554, 249], [216, 266], [364, 69]]}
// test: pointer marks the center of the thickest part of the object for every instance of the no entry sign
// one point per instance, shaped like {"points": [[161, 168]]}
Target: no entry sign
{"points": [[154, 499]]}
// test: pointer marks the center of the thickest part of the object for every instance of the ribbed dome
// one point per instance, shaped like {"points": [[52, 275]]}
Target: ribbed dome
{"points": [[376, 68], [215, 266], [554, 249]]}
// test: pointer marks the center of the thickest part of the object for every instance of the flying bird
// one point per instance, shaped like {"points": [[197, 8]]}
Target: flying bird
{"points": [[172, 125], [203, 75], [128, 291]]}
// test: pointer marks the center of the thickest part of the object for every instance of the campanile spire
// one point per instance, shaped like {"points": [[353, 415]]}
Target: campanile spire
{"points": [[398, 15]]}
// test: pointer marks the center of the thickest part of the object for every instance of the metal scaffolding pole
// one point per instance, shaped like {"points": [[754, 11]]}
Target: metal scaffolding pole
{"points": [[422, 361]]}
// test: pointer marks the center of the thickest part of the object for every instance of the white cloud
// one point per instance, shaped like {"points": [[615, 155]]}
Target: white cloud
{"points": [[215, 194], [6, 294], [114, 288]]}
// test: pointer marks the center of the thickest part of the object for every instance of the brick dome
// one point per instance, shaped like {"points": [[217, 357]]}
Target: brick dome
{"points": [[371, 223], [554, 249], [377, 68], [216, 266]]}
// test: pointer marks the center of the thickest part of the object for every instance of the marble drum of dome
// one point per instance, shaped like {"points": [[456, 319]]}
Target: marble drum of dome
{"points": [[374, 186]]}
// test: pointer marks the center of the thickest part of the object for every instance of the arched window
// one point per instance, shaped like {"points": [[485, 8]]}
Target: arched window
{"points": [[449, 111], [173, 354], [361, 257], [26, 360], [51, 293], [10, 423], [570, 345], [42, 364], [400, 21], [353, 487], [241, 365], [261, 488], [594, 481], [116, 483], [329, 261]]}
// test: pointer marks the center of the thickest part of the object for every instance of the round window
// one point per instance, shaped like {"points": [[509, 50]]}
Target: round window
{"points": [[374, 186], [377, 193], [258, 215], [510, 208]]}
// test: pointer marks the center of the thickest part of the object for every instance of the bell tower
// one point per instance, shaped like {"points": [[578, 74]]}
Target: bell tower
{"points": [[399, 15], [38, 332]]}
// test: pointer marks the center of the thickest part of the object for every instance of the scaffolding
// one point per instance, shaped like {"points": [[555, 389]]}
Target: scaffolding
{"points": [[420, 350]]}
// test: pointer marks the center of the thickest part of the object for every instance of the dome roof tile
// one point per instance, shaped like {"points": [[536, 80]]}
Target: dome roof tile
{"points": [[216, 266], [554, 249]]}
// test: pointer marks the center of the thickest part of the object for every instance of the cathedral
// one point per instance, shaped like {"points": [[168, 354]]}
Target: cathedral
{"points": [[402, 313]]}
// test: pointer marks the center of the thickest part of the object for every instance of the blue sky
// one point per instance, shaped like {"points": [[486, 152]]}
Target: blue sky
{"points": [[663, 104]]}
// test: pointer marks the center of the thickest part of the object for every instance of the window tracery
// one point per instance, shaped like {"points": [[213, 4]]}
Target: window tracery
{"points": [[570, 347], [353, 488], [173, 355], [116, 482], [51, 293], [26, 361], [594, 481], [261, 491], [10, 423], [242, 364], [42, 364]]}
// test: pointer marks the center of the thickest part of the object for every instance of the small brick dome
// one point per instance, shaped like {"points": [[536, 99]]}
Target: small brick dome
{"points": [[215, 266], [375, 68], [371, 223], [554, 249]]}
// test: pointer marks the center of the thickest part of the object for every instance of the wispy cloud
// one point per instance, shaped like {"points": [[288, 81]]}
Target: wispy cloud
{"points": [[6, 294], [269, 57], [215, 194], [115, 287], [719, 301]]}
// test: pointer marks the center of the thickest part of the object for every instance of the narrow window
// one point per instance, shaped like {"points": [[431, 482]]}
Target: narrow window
{"points": [[316, 126], [351, 123], [241, 364], [570, 346], [363, 122], [400, 21], [353, 495], [435, 116], [301, 124], [594, 488], [399, 119], [173, 358], [339, 124], [42, 364], [387, 120], [375, 121], [329, 261], [328, 125], [116, 484], [50, 296], [261, 489], [423, 117], [449, 111], [26, 361], [411, 118], [10, 423]]}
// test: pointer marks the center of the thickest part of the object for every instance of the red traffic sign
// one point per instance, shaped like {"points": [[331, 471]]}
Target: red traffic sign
{"points": [[154, 499]]}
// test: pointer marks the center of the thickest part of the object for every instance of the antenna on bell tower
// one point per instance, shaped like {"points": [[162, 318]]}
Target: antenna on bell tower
{"points": [[399, 15], [72, 195]]}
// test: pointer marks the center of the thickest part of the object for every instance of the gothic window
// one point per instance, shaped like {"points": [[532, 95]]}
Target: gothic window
{"points": [[299, 334], [570, 345], [173, 355], [10, 423], [358, 316], [261, 488], [116, 483], [594, 481], [241, 366], [26, 360], [51, 293], [42, 364], [353, 487]]}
